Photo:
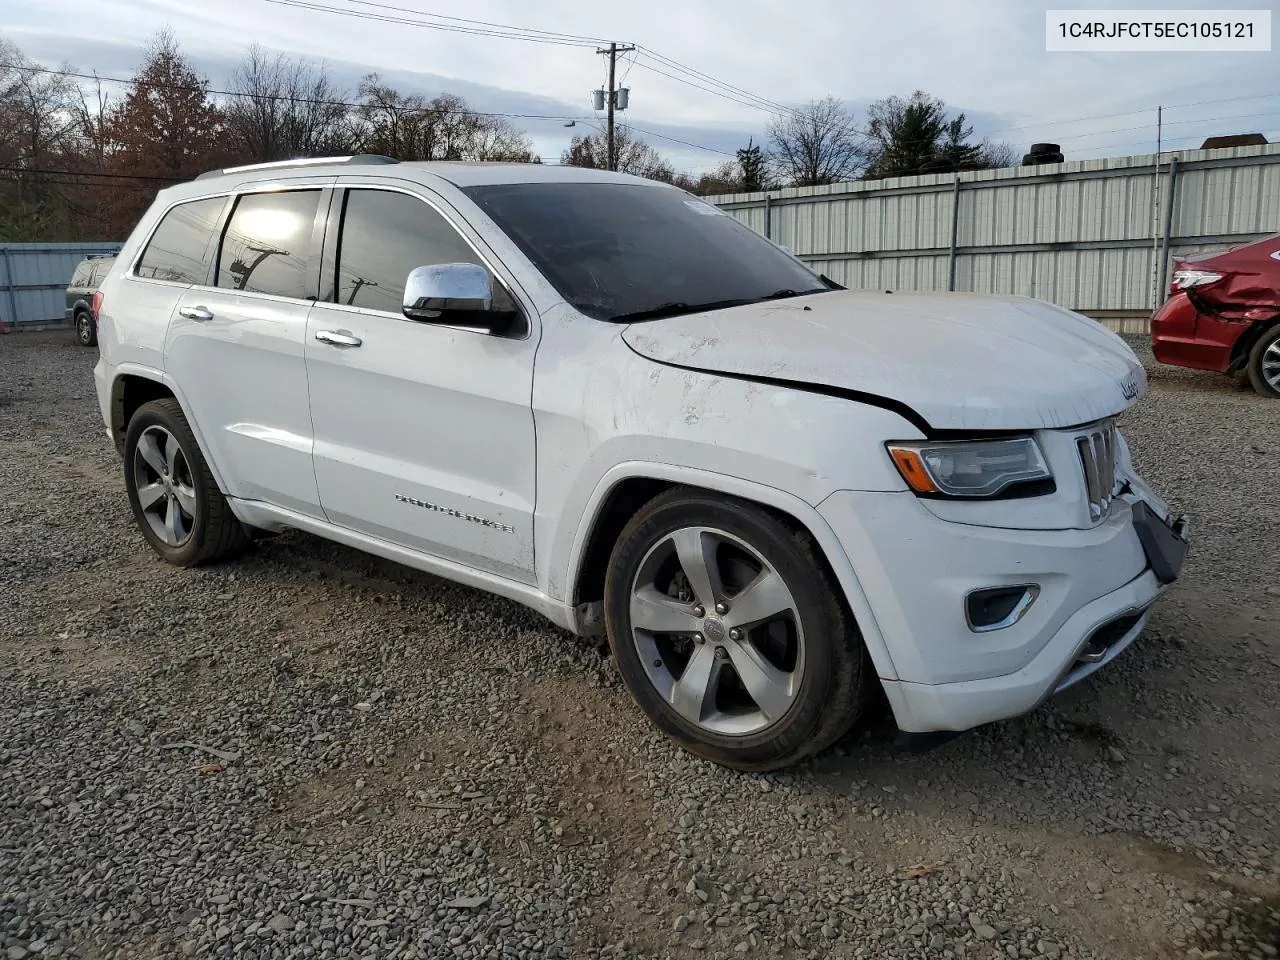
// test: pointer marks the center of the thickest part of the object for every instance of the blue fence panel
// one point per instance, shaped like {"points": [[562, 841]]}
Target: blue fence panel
{"points": [[34, 278]]}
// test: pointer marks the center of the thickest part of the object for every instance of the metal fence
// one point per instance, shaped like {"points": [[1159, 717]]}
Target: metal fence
{"points": [[34, 278], [1094, 235]]}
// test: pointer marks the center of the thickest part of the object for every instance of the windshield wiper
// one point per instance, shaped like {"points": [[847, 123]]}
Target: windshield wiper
{"points": [[677, 307]]}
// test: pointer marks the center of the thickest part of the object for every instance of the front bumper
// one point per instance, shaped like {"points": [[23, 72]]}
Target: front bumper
{"points": [[1096, 591]]}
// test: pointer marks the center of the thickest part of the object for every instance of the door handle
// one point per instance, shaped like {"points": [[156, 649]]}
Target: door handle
{"points": [[196, 313], [338, 338]]}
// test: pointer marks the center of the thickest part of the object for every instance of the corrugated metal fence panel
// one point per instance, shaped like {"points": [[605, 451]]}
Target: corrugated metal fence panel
{"points": [[1080, 234], [34, 278]]}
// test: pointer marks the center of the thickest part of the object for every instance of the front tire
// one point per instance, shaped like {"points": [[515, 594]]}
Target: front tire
{"points": [[86, 329], [1264, 364], [175, 500], [731, 634]]}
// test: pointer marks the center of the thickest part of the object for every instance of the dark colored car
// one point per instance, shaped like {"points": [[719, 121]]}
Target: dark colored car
{"points": [[1223, 314], [81, 308]]}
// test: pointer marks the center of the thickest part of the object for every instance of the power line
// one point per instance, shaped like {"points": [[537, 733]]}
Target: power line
{"points": [[1130, 113], [44, 171], [746, 103], [338, 103], [663, 136], [773, 105], [513, 33], [278, 97], [484, 23]]}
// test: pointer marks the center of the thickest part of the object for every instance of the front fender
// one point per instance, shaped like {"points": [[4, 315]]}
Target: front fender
{"points": [[763, 494]]}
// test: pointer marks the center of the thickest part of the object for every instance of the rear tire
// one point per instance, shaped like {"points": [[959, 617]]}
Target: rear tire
{"points": [[1264, 364], [175, 500], [86, 329], [779, 672]]}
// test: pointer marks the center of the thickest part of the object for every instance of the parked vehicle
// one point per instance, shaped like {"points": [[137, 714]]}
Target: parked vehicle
{"points": [[1223, 314], [81, 311], [608, 400]]}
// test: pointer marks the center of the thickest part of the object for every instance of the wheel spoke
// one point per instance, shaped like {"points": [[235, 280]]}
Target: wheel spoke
{"points": [[151, 452], [148, 495], [694, 692], [696, 551], [171, 453], [186, 498], [762, 599], [172, 520], [657, 613], [769, 687]]}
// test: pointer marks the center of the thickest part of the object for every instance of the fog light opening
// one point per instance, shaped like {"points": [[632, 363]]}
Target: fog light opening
{"points": [[995, 608]]}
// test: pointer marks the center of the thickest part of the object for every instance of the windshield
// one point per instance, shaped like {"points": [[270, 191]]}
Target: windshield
{"points": [[625, 252]]}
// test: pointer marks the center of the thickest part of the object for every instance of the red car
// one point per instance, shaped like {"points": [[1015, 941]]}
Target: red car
{"points": [[1223, 313]]}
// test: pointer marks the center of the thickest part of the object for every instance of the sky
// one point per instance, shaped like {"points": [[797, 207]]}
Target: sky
{"points": [[986, 58]]}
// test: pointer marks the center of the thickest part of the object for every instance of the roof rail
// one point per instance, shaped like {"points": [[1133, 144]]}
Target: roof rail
{"points": [[303, 162]]}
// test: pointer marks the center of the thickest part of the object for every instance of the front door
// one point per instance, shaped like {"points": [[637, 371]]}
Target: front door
{"points": [[423, 433]]}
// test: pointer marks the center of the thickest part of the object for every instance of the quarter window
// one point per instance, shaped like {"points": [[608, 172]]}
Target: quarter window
{"points": [[267, 246], [385, 235], [181, 249]]}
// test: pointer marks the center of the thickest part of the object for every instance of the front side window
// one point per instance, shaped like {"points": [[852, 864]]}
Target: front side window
{"points": [[181, 249], [624, 252], [385, 235], [267, 245]]}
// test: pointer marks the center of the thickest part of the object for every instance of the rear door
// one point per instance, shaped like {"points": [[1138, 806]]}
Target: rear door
{"points": [[424, 433], [235, 344]]}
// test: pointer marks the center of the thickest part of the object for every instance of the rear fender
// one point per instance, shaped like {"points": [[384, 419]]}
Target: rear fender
{"points": [[159, 376]]}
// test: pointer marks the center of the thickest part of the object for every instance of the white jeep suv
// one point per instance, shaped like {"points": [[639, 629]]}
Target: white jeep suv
{"points": [[606, 399]]}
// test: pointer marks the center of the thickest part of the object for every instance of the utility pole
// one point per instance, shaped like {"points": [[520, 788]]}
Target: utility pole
{"points": [[611, 96]]}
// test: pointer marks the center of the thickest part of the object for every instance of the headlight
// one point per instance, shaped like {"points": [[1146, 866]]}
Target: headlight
{"points": [[978, 468]]}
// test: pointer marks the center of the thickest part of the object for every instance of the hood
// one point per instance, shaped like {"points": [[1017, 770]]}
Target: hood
{"points": [[958, 361]]}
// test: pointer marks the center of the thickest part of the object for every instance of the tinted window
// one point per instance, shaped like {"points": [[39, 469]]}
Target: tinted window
{"points": [[614, 249], [180, 249], [384, 236], [267, 246]]}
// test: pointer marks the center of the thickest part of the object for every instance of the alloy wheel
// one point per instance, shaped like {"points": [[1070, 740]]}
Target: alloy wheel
{"points": [[1271, 365], [717, 631], [166, 491]]}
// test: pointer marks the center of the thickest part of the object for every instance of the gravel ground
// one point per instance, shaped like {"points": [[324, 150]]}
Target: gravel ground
{"points": [[312, 753]]}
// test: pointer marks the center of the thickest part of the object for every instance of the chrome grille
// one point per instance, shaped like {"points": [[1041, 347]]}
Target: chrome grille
{"points": [[1098, 459]]}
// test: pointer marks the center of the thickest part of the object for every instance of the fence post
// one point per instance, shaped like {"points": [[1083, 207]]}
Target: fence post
{"points": [[1163, 271], [955, 226], [768, 216], [13, 294]]}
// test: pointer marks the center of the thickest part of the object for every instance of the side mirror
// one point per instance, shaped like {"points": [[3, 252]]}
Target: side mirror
{"points": [[453, 294]]}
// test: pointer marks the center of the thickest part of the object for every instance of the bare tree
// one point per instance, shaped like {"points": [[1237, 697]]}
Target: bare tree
{"points": [[817, 143], [997, 153], [284, 108], [37, 134], [410, 127], [634, 156], [91, 120]]}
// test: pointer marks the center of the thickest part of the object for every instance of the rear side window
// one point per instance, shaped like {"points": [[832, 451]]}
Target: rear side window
{"points": [[81, 278], [267, 246], [181, 249], [387, 234]]}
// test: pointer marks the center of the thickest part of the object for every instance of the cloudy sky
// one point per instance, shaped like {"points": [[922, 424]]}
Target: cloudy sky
{"points": [[985, 57]]}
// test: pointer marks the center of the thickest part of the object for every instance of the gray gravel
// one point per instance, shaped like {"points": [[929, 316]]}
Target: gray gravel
{"points": [[311, 753]]}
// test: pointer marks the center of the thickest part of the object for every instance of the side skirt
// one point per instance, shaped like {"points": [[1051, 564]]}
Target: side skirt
{"points": [[268, 517]]}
